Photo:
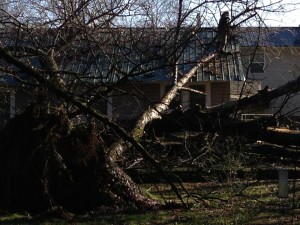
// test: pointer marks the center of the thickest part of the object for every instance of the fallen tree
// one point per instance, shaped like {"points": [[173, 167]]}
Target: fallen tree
{"points": [[94, 164], [45, 163], [115, 172], [290, 87], [46, 160]]}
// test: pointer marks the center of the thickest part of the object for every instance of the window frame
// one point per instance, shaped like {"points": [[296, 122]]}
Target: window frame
{"points": [[257, 62]]}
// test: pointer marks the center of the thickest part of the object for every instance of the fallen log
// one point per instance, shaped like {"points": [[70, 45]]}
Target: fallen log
{"points": [[267, 149], [281, 136], [290, 87]]}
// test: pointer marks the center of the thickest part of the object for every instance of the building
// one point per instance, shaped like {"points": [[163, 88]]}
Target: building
{"points": [[254, 58], [272, 57], [221, 79], [145, 58]]}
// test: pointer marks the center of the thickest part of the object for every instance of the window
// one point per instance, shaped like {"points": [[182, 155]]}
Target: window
{"points": [[258, 62]]}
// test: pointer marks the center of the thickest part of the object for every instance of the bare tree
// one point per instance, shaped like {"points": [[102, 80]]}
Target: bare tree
{"points": [[77, 54]]}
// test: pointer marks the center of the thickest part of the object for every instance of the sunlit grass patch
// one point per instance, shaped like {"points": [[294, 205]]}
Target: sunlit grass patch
{"points": [[213, 203]]}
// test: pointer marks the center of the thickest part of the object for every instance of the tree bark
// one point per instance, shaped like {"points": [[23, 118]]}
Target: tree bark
{"points": [[279, 136], [290, 87], [155, 113], [267, 149]]}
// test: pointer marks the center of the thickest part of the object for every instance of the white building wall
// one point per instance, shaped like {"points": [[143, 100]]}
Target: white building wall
{"points": [[281, 65]]}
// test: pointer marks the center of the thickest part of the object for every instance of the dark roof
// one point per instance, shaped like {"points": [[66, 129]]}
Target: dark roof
{"points": [[147, 60], [269, 36], [224, 67]]}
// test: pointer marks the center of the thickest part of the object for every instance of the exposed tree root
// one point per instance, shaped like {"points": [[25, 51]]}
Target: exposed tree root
{"points": [[44, 163]]}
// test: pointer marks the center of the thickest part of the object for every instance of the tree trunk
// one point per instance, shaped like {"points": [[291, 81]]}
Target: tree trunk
{"points": [[283, 137], [290, 87], [267, 149], [149, 115]]}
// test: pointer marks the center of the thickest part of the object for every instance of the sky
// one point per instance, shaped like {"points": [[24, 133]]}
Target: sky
{"points": [[289, 19]]}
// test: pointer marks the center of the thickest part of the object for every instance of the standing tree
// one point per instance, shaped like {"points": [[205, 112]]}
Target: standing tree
{"points": [[73, 56]]}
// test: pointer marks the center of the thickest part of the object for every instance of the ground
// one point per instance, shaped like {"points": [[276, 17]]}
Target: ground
{"points": [[251, 203]]}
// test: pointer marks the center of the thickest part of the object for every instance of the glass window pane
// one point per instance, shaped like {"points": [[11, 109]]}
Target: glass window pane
{"points": [[257, 68]]}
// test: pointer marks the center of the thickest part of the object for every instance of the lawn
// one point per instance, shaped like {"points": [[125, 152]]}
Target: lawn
{"points": [[234, 203]]}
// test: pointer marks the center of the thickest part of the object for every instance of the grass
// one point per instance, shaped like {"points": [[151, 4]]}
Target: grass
{"points": [[233, 203]]}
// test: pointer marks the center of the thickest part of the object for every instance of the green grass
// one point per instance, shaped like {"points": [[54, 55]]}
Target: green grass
{"points": [[233, 203]]}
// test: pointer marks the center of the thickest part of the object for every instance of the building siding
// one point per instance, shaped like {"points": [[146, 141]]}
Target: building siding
{"points": [[248, 88], [281, 65], [196, 98], [220, 92], [138, 98]]}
